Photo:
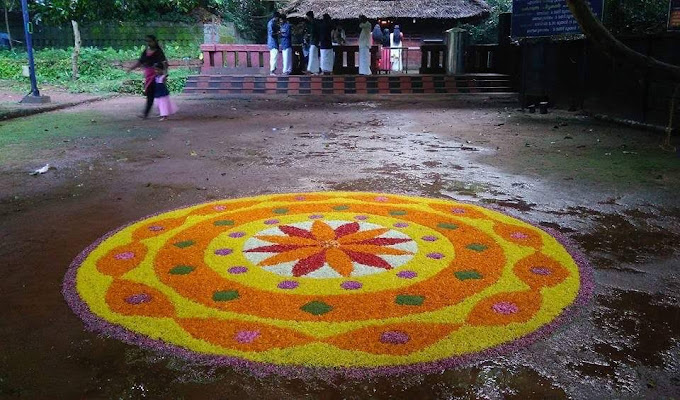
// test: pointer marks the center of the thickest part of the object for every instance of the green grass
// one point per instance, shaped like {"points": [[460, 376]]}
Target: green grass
{"points": [[99, 69]]}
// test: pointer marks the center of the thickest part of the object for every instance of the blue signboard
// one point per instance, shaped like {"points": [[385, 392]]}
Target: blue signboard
{"points": [[533, 18]]}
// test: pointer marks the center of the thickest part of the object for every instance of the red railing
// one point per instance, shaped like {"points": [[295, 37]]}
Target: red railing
{"points": [[254, 59]]}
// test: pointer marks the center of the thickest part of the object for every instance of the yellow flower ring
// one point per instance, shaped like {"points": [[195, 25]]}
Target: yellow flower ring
{"points": [[351, 283]]}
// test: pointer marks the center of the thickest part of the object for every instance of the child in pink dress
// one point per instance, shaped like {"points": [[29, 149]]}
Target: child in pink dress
{"points": [[166, 107]]}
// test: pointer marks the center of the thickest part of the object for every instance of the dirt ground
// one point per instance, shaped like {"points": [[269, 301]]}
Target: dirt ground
{"points": [[608, 188]]}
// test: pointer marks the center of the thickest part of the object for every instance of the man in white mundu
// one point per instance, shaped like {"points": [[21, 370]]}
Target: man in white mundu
{"points": [[273, 41], [286, 45], [313, 65]]}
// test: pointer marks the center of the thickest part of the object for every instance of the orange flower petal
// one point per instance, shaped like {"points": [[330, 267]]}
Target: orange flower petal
{"points": [[292, 255], [365, 235], [322, 231], [366, 248], [294, 240], [339, 261]]}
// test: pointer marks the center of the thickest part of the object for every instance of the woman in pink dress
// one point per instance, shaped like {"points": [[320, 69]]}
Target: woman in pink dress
{"points": [[166, 107]]}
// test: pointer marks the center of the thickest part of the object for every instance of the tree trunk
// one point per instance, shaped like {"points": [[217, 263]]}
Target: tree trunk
{"points": [[9, 34], [76, 49], [614, 48]]}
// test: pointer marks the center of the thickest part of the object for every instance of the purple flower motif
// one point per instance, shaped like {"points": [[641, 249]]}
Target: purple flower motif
{"points": [[223, 252], [458, 211], [139, 298], [351, 285], [436, 256], [316, 216], [237, 270], [288, 285], [401, 225], [300, 198], [381, 199], [271, 222], [519, 235], [394, 337], [156, 228], [407, 274], [245, 337], [540, 271], [505, 308], [236, 235], [128, 255], [361, 217], [220, 208], [430, 238]]}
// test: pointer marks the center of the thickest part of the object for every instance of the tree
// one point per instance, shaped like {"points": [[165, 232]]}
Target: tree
{"points": [[9, 6], [594, 29]]}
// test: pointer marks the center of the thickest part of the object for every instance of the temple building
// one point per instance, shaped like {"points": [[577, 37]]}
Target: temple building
{"points": [[419, 19]]}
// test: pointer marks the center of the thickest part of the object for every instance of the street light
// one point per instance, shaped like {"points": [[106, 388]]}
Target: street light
{"points": [[34, 96]]}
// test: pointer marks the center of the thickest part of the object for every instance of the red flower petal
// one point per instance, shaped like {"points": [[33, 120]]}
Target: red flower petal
{"points": [[309, 264], [346, 229], [368, 259], [383, 241], [279, 248], [297, 232]]}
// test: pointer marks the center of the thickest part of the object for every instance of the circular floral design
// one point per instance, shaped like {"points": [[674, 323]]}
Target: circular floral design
{"points": [[343, 282]]}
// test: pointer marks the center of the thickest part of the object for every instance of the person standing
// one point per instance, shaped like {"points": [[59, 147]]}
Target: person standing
{"points": [[166, 107], [273, 41], [377, 34], [364, 46], [313, 32], [151, 56], [286, 36], [326, 44], [396, 41]]}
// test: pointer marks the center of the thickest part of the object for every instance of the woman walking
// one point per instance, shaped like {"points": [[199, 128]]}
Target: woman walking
{"points": [[152, 55], [364, 46]]}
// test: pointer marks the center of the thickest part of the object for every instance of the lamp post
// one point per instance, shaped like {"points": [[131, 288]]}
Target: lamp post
{"points": [[34, 96]]}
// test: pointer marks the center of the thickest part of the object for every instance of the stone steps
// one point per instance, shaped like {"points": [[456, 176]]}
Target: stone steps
{"points": [[348, 84]]}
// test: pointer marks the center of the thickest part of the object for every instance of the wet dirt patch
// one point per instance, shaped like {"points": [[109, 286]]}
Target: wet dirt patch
{"points": [[616, 239], [647, 327]]}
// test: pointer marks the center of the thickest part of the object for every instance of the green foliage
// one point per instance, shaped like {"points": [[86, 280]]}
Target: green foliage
{"points": [[625, 17], [249, 16], [100, 70], [487, 30]]}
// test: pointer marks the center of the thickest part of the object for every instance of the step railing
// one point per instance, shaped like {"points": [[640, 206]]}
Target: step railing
{"points": [[254, 59]]}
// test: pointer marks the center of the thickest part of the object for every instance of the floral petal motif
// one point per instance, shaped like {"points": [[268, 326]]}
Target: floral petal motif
{"points": [[273, 249], [340, 261], [384, 241], [347, 229], [288, 240], [297, 232], [321, 231], [360, 236], [292, 255], [309, 264], [368, 259], [365, 248]]}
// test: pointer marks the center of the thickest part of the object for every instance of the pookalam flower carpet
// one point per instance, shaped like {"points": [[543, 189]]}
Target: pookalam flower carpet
{"points": [[354, 283]]}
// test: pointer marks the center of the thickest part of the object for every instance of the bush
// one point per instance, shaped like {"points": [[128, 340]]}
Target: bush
{"points": [[100, 69]]}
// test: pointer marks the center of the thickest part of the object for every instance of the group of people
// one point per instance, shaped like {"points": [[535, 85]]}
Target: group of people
{"points": [[318, 37]]}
